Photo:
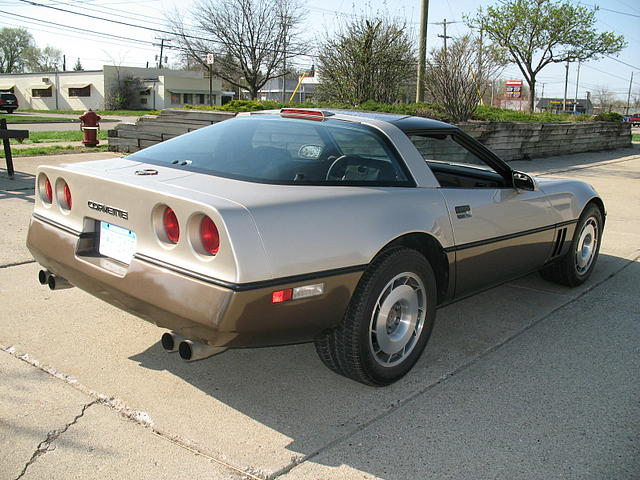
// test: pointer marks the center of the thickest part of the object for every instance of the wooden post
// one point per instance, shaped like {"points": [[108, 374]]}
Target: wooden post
{"points": [[7, 150]]}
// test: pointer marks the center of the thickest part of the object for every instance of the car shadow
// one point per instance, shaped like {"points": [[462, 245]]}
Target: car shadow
{"points": [[287, 389]]}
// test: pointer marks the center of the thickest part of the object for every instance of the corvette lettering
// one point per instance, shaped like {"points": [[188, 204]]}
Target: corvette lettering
{"points": [[101, 207]]}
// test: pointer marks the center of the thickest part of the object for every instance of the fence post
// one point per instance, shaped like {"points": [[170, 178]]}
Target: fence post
{"points": [[7, 149]]}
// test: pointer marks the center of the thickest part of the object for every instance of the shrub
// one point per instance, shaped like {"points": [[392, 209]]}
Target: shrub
{"points": [[608, 117]]}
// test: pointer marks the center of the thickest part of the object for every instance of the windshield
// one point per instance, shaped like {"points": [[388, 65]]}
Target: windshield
{"points": [[272, 149]]}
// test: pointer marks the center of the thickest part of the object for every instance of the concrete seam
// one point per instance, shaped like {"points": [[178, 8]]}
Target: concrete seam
{"points": [[17, 264], [598, 164], [444, 378], [44, 446], [114, 403]]}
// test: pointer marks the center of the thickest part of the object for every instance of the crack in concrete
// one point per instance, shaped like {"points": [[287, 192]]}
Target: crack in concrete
{"points": [[17, 264], [52, 436], [401, 403], [139, 417]]}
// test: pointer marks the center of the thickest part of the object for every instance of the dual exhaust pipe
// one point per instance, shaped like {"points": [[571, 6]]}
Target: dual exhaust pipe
{"points": [[188, 350], [45, 277]]}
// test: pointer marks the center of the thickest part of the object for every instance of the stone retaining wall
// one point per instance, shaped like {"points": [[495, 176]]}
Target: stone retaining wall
{"points": [[509, 140]]}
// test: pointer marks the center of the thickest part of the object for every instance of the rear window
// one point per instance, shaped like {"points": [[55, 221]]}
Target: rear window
{"points": [[7, 96], [272, 149]]}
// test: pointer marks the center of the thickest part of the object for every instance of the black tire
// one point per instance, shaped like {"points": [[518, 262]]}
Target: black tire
{"points": [[568, 270], [352, 348]]}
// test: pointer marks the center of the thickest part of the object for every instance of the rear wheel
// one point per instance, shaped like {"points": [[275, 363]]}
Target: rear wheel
{"points": [[388, 322], [577, 264]]}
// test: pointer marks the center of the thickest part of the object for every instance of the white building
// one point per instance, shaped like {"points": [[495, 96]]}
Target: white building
{"points": [[81, 90]]}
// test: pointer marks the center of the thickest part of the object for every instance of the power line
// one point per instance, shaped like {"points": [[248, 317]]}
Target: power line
{"points": [[620, 61], [610, 10], [128, 39], [605, 72], [149, 28]]}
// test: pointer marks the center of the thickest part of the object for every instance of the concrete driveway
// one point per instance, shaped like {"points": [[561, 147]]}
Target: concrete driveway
{"points": [[526, 380]]}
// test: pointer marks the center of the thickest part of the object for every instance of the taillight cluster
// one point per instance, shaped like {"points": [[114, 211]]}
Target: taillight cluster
{"points": [[202, 232], [61, 194]]}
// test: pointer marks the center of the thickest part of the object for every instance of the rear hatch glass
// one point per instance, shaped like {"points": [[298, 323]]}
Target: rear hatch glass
{"points": [[272, 149]]}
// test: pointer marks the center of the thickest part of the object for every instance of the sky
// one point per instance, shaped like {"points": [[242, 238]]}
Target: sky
{"points": [[137, 46]]}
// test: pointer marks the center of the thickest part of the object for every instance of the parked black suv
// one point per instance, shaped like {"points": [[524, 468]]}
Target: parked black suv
{"points": [[8, 102]]}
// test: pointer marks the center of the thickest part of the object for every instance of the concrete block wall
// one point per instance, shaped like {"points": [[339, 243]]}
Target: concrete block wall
{"points": [[152, 129], [509, 140], [524, 140]]}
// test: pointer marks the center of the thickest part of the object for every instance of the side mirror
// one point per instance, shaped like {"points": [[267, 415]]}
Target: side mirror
{"points": [[523, 181]]}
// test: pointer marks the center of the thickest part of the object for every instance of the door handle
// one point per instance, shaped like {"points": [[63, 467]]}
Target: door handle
{"points": [[463, 211]]}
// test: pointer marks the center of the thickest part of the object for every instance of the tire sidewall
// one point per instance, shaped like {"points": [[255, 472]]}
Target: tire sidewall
{"points": [[400, 261], [590, 211]]}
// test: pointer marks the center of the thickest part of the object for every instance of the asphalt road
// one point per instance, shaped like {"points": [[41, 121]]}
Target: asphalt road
{"points": [[526, 380]]}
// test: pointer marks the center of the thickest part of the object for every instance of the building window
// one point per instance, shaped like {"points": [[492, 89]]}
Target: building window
{"points": [[80, 92], [41, 92], [188, 98], [175, 98], [201, 99], [146, 91], [143, 101]]}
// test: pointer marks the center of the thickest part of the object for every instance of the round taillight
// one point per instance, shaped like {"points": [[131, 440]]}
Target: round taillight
{"points": [[48, 191], [209, 236], [171, 226], [67, 196]]}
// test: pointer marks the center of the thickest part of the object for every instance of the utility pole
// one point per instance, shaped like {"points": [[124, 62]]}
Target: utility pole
{"points": [[542, 96], [566, 80], [162, 40], [422, 50], [629, 94], [445, 37], [575, 98], [284, 61], [64, 63]]}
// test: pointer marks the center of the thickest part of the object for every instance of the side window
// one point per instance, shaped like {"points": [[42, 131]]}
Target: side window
{"points": [[453, 165], [443, 148]]}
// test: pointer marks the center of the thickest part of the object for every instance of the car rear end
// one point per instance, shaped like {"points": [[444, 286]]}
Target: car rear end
{"points": [[8, 102], [125, 234]]}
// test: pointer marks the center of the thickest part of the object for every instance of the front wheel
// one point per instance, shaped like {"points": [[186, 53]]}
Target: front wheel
{"points": [[577, 264], [388, 322]]}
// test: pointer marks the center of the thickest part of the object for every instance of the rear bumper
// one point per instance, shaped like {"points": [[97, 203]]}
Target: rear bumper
{"points": [[194, 307]]}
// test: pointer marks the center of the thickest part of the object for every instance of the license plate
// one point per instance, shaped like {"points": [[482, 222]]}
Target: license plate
{"points": [[117, 242]]}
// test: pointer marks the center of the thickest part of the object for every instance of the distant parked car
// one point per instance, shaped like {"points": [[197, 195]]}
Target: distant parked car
{"points": [[635, 119], [8, 102]]}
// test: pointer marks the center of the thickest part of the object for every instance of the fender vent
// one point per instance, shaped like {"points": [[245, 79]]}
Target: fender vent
{"points": [[560, 238]]}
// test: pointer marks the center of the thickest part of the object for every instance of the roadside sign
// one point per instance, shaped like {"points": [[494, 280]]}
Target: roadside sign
{"points": [[210, 59], [513, 88]]}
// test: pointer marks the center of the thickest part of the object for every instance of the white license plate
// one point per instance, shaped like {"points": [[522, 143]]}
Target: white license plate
{"points": [[117, 242]]}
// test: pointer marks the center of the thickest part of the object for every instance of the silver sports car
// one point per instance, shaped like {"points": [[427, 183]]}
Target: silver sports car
{"points": [[343, 228]]}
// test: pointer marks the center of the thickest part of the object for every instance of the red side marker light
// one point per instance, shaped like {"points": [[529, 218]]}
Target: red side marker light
{"points": [[280, 296]]}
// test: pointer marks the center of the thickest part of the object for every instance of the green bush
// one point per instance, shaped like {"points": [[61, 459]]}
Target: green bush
{"points": [[608, 117]]}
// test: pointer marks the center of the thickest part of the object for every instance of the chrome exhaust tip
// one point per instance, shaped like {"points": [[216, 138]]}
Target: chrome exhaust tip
{"points": [[58, 283], [191, 351], [170, 341], [43, 277]]}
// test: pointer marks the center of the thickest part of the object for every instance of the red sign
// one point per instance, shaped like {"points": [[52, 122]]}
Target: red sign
{"points": [[513, 88]]}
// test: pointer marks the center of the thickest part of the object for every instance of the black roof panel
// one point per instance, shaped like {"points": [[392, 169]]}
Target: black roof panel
{"points": [[420, 123]]}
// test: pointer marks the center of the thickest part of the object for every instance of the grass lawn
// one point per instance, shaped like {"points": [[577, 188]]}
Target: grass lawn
{"points": [[34, 119], [121, 113], [635, 137], [66, 136], [31, 152]]}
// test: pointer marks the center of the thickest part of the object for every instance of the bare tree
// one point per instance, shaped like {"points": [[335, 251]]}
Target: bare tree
{"points": [[603, 98], [369, 59], [47, 59], [251, 39], [458, 77]]}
